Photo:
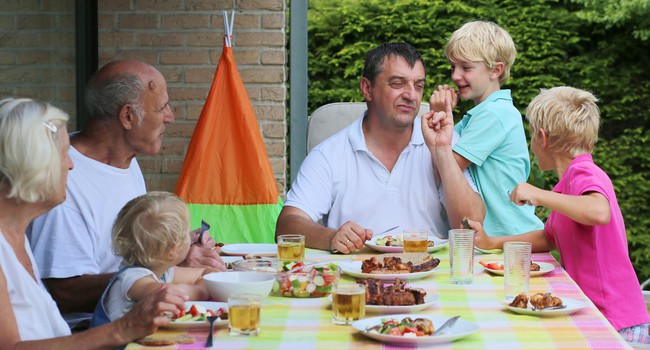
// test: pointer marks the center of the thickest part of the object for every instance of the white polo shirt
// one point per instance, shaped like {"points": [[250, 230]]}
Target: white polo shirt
{"points": [[340, 181]]}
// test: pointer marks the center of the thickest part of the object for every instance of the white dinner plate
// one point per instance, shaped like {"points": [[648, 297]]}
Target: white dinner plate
{"points": [[572, 306], [260, 249], [372, 244], [212, 305], [461, 329], [354, 269], [543, 268], [429, 300]]}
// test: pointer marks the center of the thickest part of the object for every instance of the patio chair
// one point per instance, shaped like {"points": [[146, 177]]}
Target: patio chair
{"points": [[646, 293], [330, 118]]}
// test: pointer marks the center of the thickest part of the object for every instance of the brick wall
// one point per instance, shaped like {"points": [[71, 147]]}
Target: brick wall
{"points": [[182, 38], [37, 51]]}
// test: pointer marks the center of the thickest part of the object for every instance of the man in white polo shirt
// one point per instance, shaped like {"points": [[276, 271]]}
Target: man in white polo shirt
{"points": [[381, 171]]}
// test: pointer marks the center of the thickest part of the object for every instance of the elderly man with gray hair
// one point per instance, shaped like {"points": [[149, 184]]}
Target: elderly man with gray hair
{"points": [[128, 108]]}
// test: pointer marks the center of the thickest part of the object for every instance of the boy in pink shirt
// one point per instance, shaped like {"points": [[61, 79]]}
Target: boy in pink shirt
{"points": [[585, 225]]}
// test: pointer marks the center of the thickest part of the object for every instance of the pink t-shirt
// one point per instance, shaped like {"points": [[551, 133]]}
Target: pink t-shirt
{"points": [[596, 257]]}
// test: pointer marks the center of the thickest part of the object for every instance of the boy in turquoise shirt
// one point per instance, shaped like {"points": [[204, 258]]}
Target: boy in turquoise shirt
{"points": [[492, 139]]}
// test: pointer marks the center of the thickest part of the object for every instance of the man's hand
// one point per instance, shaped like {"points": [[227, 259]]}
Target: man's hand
{"points": [[481, 239], [438, 127], [350, 237], [203, 253], [437, 99]]}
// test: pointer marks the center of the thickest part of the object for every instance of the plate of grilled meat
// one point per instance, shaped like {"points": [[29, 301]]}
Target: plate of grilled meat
{"points": [[384, 297], [543, 304], [405, 266]]}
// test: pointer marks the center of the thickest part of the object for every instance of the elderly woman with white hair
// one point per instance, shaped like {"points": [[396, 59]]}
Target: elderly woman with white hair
{"points": [[34, 166]]}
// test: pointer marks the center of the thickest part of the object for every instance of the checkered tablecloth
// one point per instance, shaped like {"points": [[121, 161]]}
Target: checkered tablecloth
{"points": [[290, 323]]}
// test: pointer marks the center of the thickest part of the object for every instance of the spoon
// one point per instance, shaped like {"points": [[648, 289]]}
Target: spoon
{"points": [[450, 322], [211, 319]]}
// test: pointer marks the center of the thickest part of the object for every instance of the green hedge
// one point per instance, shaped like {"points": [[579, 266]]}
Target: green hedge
{"points": [[558, 43]]}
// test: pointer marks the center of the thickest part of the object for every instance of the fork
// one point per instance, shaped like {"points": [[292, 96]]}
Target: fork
{"points": [[211, 319], [204, 227], [450, 323], [559, 307]]}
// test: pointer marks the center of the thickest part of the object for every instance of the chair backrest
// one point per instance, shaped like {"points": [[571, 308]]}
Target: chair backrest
{"points": [[646, 294], [332, 117]]}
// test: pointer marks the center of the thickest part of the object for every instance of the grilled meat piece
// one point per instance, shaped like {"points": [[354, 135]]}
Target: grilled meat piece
{"points": [[380, 293], [545, 300], [534, 267], [397, 298], [370, 264], [418, 294], [426, 266], [521, 301], [374, 289], [424, 325]]}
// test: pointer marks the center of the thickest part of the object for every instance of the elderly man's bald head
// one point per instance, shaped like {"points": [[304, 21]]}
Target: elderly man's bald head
{"points": [[119, 83]]}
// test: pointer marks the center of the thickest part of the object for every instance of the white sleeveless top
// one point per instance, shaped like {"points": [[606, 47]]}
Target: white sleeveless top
{"points": [[36, 312]]}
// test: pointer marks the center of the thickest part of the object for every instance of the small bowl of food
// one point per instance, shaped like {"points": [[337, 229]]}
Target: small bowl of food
{"points": [[222, 284], [296, 279]]}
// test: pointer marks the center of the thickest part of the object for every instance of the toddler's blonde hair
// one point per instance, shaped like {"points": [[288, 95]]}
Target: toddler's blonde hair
{"points": [[150, 228], [482, 41], [570, 118]]}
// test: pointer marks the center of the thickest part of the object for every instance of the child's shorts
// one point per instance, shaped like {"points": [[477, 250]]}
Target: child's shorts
{"points": [[637, 336]]}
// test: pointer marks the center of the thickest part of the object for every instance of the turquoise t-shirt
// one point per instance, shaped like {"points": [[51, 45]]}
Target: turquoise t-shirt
{"points": [[492, 138]]}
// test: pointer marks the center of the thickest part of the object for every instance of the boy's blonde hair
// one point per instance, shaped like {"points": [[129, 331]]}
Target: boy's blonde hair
{"points": [[482, 41], [570, 118], [149, 229]]}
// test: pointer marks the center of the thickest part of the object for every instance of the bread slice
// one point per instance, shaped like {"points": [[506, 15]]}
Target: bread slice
{"points": [[163, 337]]}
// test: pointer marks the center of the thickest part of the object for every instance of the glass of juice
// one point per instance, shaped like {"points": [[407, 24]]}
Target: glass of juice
{"points": [[348, 303], [244, 314], [415, 241], [291, 247]]}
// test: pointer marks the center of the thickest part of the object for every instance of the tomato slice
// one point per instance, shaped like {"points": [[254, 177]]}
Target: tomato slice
{"points": [[491, 265], [194, 311], [413, 330], [494, 266]]}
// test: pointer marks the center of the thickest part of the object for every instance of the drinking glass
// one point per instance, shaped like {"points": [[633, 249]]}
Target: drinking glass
{"points": [[244, 314], [416, 241], [516, 274], [348, 303], [291, 247], [461, 255]]}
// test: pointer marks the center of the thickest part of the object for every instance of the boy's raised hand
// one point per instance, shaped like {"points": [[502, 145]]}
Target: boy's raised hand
{"points": [[438, 127], [437, 100]]}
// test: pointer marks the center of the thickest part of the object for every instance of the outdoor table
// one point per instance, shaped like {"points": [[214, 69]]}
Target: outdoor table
{"points": [[295, 323]]}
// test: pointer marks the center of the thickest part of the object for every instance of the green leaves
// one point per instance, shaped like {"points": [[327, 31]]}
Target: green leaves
{"points": [[598, 45]]}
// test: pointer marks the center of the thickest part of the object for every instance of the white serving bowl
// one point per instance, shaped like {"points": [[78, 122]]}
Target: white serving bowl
{"points": [[222, 284]]}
